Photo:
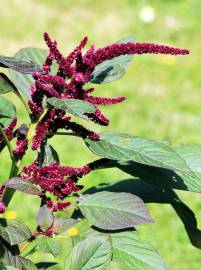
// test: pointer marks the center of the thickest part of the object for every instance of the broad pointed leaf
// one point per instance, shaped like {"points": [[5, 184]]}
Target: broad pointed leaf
{"points": [[91, 253], [154, 194], [13, 232], [49, 245], [131, 252], [44, 217], [114, 211], [124, 147], [24, 186], [75, 107]]}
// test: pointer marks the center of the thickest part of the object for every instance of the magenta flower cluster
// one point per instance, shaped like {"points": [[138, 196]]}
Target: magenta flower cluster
{"points": [[56, 179], [68, 82], [74, 71]]}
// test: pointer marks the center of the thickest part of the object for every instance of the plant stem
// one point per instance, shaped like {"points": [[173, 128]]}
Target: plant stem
{"points": [[9, 192]]}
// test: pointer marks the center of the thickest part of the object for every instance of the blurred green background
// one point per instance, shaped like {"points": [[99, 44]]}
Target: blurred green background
{"points": [[163, 92]]}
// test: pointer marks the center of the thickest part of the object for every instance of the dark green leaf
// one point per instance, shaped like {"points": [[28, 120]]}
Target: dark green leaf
{"points": [[6, 85], [48, 155], [111, 70], [10, 256], [49, 245], [24, 186], [75, 107], [7, 109], [45, 265], [124, 147], [91, 253], [13, 232], [114, 211], [24, 81], [44, 217], [131, 252], [19, 65], [62, 224]]}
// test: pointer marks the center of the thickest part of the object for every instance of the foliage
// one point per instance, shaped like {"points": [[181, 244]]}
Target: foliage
{"points": [[53, 90]]}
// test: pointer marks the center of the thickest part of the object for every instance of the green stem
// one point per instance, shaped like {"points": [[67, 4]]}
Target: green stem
{"points": [[9, 192]]}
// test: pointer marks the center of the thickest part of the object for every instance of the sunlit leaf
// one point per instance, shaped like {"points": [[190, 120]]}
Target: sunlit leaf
{"points": [[114, 211]]}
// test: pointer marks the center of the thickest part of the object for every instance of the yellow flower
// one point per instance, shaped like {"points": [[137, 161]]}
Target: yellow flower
{"points": [[73, 231], [10, 215]]}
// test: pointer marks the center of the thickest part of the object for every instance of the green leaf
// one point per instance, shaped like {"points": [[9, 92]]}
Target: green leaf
{"points": [[111, 70], [131, 252], [75, 107], [6, 267], [13, 232], [155, 194], [163, 177], [7, 109], [19, 65], [24, 186], [48, 155], [6, 85], [158, 176], [44, 217], [114, 211], [45, 265], [124, 147], [62, 224], [10, 256], [49, 245], [24, 81], [91, 253]]}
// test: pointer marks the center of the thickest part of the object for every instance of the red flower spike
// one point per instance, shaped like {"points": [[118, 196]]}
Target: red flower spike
{"points": [[104, 101], [21, 148], [40, 133], [114, 50], [56, 179]]}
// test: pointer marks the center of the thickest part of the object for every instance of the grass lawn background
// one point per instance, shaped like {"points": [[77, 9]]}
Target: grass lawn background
{"points": [[163, 93]]}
